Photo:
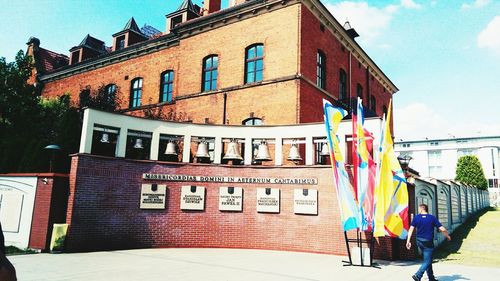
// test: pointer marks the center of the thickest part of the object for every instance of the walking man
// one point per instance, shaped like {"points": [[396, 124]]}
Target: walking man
{"points": [[425, 223]]}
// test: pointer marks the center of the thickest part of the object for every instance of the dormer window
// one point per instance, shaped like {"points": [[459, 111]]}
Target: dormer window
{"points": [[75, 57], [120, 42]]}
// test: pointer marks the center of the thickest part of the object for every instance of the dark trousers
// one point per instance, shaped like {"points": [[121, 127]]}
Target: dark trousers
{"points": [[427, 249]]}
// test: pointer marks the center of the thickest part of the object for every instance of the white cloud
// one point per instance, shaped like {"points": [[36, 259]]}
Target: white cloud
{"points": [[419, 121], [475, 4], [489, 38], [367, 20], [410, 4]]}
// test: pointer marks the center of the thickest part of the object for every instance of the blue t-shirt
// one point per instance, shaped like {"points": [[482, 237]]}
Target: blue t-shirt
{"points": [[425, 224]]}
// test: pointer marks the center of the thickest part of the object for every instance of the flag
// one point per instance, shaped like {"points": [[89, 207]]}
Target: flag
{"points": [[364, 169], [345, 196], [391, 192]]}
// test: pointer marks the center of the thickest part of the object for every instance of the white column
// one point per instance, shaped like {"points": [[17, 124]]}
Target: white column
{"points": [[87, 131], [121, 144], [155, 146], [309, 151], [248, 151], [278, 152], [186, 152], [218, 150]]}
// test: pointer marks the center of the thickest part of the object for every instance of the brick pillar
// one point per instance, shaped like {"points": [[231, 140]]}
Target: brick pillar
{"points": [[50, 207]]}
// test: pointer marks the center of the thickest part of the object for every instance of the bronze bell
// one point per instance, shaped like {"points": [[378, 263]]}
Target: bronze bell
{"points": [[170, 149], [325, 149], [233, 151], [202, 151], [263, 152], [138, 144], [105, 138], [294, 153]]}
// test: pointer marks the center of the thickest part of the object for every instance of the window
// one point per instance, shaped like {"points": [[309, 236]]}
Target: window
{"points": [[466, 151], [373, 104], [254, 63], [210, 73], [359, 91], [342, 85], [252, 122], [136, 93], [406, 145], [321, 70], [75, 57], [434, 157], [435, 171], [120, 42], [434, 143], [84, 97], [110, 91], [166, 86]]}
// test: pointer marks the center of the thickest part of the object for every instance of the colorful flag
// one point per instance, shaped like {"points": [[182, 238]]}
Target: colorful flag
{"points": [[391, 192], [364, 169], [347, 204]]}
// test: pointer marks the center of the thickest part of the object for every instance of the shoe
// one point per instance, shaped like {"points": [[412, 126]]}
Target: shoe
{"points": [[415, 278]]}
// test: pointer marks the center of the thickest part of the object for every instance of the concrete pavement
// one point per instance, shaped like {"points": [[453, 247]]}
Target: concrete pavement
{"points": [[221, 265]]}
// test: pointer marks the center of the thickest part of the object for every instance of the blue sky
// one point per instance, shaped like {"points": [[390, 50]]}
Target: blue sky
{"points": [[444, 55]]}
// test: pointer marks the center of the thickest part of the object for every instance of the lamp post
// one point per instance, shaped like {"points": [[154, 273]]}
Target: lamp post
{"points": [[404, 161], [53, 149]]}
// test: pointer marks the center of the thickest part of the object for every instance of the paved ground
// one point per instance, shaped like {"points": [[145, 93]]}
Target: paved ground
{"points": [[221, 265], [476, 242]]}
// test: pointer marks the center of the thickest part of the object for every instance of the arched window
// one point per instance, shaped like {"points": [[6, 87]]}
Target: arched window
{"points": [[166, 86], [373, 104], [254, 63], [135, 92], [110, 91], [359, 91], [252, 122], [210, 73], [321, 70], [342, 85]]}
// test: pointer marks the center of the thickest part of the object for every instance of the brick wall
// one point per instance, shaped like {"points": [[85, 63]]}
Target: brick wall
{"points": [[50, 207], [103, 210]]}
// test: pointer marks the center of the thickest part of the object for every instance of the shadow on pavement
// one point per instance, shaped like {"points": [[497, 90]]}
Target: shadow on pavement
{"points": [[455, 277], [458, 237]]}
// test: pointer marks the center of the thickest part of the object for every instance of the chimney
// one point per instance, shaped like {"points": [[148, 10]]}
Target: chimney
{"points": [[211, 6], [236, 2]]}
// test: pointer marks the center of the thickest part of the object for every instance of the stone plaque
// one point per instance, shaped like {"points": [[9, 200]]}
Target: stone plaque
{"points": [[153, 196], [231, 199], [305, 201], [193, 198], [268, 200]]}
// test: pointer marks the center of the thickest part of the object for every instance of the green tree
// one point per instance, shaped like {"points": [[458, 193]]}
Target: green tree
{"points": [[28, 123], [470, 171]]}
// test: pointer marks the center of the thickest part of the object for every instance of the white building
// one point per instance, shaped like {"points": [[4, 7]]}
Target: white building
{"points": [[437, 158]]}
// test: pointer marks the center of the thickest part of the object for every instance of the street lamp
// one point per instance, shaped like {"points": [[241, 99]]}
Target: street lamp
{"points": [[404, 161], [53, 149]]}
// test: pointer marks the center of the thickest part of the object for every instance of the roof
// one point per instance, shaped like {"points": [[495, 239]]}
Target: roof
{"points": [[131, 25], [92, 43], [49, 61], [187, 4]]}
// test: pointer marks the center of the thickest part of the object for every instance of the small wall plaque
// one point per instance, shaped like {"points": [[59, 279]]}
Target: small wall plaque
{"points": [[305, 201], [231, 199], [268, 200], [153, 196], [193, 198]]}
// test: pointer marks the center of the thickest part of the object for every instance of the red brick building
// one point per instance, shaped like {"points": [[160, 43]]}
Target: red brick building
{"points": [[256, 62], [225, 66]]}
